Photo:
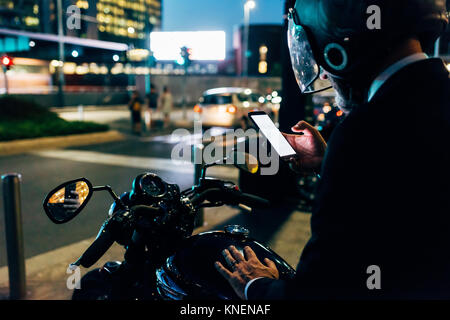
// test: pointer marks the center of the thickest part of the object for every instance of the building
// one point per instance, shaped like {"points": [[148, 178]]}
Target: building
{"points": [[264, 50], [96, 47], [129, 21], [28, 15], [124, 21]]}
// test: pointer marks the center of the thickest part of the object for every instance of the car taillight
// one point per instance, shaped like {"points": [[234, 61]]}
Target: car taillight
{"points": [[197, 108], [231, 109]]}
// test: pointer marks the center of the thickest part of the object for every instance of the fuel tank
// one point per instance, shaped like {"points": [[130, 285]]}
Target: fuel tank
{"points": [[190, 272]]}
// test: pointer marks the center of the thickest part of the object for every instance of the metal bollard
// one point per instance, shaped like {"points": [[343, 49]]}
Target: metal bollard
{"points": [[14, 235], [197, 160], [80, 112]]}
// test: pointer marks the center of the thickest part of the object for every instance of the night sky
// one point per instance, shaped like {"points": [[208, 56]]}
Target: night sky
{"points": [[212, 15]]}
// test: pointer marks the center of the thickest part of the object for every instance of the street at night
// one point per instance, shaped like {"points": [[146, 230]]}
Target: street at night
{"points": [[117, 164], [240, 154]]}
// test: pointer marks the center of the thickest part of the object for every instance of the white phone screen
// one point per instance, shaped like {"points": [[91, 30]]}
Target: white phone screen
{"points": [[271, 132]]}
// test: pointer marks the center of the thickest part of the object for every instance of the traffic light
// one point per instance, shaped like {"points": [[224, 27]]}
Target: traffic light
{"points": [[7, 62]]}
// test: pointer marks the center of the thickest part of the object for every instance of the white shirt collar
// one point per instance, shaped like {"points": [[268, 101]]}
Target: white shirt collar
{"points": [[390, 71]]}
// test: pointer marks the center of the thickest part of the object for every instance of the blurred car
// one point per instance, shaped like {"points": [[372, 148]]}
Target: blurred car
{"points": [[228, 107]]}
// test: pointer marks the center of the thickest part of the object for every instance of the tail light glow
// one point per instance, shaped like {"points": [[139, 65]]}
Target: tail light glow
{"points": [[232, 109]]}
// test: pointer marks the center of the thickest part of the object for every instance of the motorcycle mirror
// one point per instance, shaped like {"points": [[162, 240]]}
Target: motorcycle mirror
{"points": [[244, 161], [64, 202]]}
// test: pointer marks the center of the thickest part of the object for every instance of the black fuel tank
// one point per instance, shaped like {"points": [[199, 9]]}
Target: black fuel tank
{"points": [[190, 273]]}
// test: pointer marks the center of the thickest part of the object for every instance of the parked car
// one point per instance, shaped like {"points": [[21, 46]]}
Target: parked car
{"points": [[229, 107]]}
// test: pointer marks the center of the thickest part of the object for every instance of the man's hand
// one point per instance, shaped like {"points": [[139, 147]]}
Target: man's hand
{"points": [[310, 147], [245, 268]]}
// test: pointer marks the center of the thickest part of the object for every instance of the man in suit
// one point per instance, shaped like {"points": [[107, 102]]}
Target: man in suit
{"points": [[381, 222]]}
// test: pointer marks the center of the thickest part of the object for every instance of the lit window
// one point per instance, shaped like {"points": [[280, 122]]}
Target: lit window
{"points": [[262, 67], [31, 21]]}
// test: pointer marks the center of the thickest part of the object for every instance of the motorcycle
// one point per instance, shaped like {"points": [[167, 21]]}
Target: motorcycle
{"points": [[154, 222]]}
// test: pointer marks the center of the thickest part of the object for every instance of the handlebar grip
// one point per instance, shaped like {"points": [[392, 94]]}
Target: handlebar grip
{"points": [[252, 200], [231, 197], [97, 249], [199, 198]]}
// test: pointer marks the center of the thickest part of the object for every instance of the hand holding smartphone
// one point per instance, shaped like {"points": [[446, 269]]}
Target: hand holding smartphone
{"points": [[273, 135]]}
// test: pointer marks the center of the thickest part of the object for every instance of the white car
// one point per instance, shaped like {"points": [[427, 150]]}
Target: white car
{"points": [[228, 107]]}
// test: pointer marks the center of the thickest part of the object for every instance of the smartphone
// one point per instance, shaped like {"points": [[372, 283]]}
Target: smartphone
{"points": [[272, 134]]}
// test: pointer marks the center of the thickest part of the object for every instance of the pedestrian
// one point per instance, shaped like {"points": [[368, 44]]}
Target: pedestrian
{"points": [[166, 105], [135, 106], [152, 103]]}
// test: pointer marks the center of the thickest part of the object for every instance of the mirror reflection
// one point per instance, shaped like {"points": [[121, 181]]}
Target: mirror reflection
{"points": [[64, 203]]}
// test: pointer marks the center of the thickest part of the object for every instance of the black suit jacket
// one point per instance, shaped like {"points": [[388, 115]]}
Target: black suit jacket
{"points": [[383, 198]]}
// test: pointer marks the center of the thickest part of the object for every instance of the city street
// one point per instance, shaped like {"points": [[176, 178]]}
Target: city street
{"points": [[264, 113], [115, 164], [49, 246]]}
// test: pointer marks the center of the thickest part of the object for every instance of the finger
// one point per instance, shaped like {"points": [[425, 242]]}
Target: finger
{"points": [[269, 263], [302, 126], [291, 138], [228, 258], [222, 270], [236, 254], [249, 253], [288, 137]]}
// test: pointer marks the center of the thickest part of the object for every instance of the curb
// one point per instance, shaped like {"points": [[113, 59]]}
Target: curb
{"points": [[26, 145]]}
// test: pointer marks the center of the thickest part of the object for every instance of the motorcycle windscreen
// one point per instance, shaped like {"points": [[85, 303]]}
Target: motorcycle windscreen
{"points": [[306, 70]]}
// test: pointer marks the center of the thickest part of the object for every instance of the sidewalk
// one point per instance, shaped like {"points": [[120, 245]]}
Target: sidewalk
{"points": [[117, 117], [286, 232], [26, 145]]}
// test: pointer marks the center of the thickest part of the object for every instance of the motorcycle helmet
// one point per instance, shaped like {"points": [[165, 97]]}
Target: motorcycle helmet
{"points": [[338, 36]]}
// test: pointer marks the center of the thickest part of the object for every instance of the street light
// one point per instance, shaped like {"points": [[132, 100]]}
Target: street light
{"points": [[249, 5]]}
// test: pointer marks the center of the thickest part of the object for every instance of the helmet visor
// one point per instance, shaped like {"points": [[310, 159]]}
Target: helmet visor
{"points": [[306, 70]]}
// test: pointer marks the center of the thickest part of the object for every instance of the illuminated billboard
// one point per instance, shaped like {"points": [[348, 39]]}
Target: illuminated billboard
{"points": [[204, 45]]}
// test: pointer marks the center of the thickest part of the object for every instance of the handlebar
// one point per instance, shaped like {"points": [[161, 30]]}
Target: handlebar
{"points": [[230, 196], [106, 238], [252, 200]]}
